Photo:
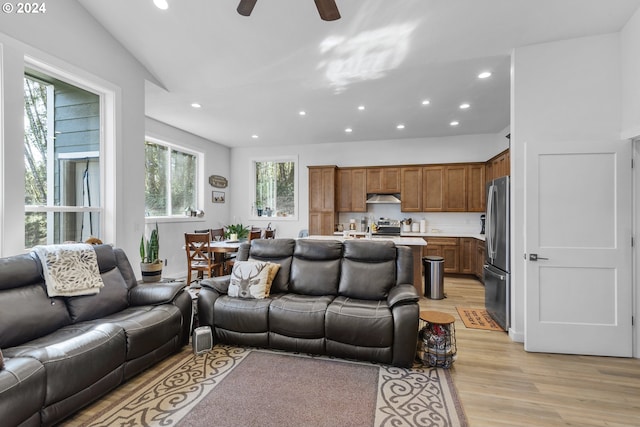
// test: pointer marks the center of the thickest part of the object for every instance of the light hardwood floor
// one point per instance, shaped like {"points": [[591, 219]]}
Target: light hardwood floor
{"points": [[502, 385]]}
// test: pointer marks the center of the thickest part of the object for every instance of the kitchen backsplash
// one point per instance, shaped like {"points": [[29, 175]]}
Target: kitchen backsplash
{"points": [[443, 222]]}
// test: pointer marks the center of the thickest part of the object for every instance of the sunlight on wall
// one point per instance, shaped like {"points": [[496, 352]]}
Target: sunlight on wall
{"points": [[368, 55]]}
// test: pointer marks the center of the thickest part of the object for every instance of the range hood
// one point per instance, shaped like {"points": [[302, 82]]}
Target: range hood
{"points": [[383, 198]]}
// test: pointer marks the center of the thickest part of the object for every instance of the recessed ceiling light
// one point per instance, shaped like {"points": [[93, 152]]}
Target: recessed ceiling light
{"points": [[361, 107], [254, 136], [196, 105], [302, 113], [426, 102], [454, 123], [161, 4], [348, 130], [400, 126], [484, 75], [464, 106]]}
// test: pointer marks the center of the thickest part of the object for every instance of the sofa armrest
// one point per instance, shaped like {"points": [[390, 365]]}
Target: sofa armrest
{"points": [[155, 293], [402, 294], [219, 284]]}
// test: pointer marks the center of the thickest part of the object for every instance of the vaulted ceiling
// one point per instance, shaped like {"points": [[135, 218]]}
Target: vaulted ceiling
{"points": [[370, 71]]}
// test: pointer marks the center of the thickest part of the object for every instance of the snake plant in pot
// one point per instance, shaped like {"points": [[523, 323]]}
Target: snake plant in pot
{"points": [[150, 265]]}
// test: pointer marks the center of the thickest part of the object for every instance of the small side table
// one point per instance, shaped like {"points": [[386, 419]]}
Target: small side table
{"points": [[437, 339]]}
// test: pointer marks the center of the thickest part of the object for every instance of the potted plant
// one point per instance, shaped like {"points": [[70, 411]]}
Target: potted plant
{"points": [[150, 265], [236, 232]]}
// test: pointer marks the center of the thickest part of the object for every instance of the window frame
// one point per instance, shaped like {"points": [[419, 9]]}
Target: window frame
{"points": [[296, 192], [199, 188], [106, 101]]}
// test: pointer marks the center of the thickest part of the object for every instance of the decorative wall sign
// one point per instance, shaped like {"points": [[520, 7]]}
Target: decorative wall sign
{"points": [[217, 196], [218, 181]]}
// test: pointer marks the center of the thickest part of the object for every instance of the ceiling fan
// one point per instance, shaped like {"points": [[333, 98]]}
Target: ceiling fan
{"points": [[327, 9]]}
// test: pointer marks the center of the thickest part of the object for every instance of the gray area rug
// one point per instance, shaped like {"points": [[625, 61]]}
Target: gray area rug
{"points": [[233, 386]]}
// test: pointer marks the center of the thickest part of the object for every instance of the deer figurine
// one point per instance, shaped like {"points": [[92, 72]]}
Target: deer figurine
{"points": [[240, 286]]}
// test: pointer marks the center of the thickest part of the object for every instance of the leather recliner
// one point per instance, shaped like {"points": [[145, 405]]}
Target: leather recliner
{"points": [[62, 353], [352, 300]]}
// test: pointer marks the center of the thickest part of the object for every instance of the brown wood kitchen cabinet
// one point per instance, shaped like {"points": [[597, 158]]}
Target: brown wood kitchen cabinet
{"points": [[455, 188], [476, 183], [433, 188], [468, 255], [480, 252], [322, 199], [411, 189], [383, 180], [499, 165], [351, 189], [447, 248]]}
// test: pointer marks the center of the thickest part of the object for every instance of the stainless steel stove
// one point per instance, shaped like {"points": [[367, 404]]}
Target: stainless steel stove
{"points": [[388, 227]]}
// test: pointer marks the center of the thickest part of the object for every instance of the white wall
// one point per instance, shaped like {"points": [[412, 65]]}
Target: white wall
{"points": [[215, 161], [567, 90], [68, 38], [630, 57], [468, 148]]}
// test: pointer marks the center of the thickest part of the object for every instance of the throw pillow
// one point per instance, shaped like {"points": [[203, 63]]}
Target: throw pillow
{"points": [[273, 271], [249, 279]]}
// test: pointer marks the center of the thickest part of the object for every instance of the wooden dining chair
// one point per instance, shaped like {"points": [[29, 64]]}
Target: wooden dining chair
{"points": [[255, 234], [269, 234], [199, 255]]}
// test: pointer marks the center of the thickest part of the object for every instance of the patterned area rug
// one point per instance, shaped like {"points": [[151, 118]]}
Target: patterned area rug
{"points": [[228, 386], [478, 318]]}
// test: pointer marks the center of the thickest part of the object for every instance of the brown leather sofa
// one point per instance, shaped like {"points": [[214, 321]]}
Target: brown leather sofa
{"points": [[352, 300], [62, 353]]}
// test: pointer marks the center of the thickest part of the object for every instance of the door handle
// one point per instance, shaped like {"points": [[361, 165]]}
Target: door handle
{"points": [[535, 257]]}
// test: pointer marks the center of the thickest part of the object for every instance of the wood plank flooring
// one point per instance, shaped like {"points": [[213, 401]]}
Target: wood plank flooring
{"points": [[502, 385]]}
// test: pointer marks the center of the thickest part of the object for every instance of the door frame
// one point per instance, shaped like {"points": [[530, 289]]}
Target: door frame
{"points": [[635, 274]]}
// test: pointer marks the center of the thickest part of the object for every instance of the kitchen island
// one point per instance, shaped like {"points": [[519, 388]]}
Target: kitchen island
{"points": [[415, 243]]}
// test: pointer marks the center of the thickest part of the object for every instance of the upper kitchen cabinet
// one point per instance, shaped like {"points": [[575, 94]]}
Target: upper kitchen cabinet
{"points": [[455, 188], [433, 188], [476, 193], [411, 189], [499, 165], [383, 180], [351, 189], [322, 199]]}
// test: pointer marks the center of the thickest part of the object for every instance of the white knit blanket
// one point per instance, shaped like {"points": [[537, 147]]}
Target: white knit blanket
{"points": [[70, 269]]}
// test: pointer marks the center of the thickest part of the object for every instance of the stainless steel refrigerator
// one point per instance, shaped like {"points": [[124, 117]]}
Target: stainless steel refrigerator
{"points": [[497, 266]]}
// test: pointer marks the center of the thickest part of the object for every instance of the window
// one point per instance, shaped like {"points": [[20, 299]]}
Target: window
{"points": [[276, 188], [170, 180], [62, 146]]}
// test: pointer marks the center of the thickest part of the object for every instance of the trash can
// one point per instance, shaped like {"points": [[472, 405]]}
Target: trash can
{"points": [[433, 267]]}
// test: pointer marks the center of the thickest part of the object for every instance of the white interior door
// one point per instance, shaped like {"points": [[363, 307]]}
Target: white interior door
{"points": [[578, 223]]}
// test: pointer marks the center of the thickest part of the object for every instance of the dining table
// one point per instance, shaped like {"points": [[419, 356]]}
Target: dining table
{"points": [[220, 249]]}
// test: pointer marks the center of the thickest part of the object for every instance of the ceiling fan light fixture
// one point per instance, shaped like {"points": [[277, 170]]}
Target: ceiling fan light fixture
{"points": [[328, 10], [245, 7]]}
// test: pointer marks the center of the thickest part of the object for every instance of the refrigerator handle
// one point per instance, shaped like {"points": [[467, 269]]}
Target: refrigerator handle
{"points": [[489, 225], [499, 276]]}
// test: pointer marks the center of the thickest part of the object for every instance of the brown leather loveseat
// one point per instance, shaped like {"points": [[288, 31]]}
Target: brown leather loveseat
{"points": [[352, 300], [61, 353]]}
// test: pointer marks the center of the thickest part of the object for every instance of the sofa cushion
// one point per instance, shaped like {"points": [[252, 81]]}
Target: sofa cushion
{"points": [[22, 389], [1, 360], [315, 269], [147, 328], [20, 270], [27, 313], [279, 251], [368, 270], [359, 322], [112, 298], [242, 315], [299, 316], [76, 357]]}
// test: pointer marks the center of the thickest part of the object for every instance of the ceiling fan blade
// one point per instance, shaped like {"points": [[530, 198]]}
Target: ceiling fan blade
{"points": [[246, 7], [328, 10]]}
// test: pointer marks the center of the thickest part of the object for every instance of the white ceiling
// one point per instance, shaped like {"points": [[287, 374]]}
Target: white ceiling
{"points": [[252, 75]]}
